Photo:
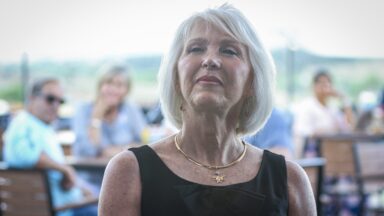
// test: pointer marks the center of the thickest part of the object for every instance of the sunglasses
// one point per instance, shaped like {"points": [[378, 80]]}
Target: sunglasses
{"points": [[50, 99]]}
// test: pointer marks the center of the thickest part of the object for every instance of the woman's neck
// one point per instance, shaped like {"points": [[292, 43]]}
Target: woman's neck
{"points": [[209, 139], [322, 99]]}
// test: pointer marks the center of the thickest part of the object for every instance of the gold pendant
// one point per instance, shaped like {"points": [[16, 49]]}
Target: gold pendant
{"points": [[219, 178]]}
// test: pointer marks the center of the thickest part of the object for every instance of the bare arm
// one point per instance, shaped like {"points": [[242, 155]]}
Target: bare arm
{"points": [[69, 180], [121, 188], [301, 198], [94, 128]]}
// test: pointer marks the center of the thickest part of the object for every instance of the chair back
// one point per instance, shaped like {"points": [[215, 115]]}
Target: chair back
{"points": [[338, 151], [339, 156], [369, 165], [24, 192]]}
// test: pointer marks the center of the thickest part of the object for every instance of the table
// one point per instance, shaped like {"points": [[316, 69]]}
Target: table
{"points": [[337, 149], [88, 163]]}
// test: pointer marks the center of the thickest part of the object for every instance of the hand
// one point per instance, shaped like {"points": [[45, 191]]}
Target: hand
{"points": [[87, 193], [336, 93], [69, 178], [100, 109]]}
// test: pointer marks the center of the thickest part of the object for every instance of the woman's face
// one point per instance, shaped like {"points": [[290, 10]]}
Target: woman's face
{"points": [[213, 69], [114, 90], [323, 87]]}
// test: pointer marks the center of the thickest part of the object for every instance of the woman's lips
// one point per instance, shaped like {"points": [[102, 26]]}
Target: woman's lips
{"points": [[209, 80]]}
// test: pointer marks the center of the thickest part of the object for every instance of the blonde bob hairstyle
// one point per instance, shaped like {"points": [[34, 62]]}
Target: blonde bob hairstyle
{"points": [[110, 71], [257, 108]]}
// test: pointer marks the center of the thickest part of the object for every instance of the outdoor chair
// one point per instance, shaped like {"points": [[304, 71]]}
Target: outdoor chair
{"points": [[27, 192], [369, 161]]}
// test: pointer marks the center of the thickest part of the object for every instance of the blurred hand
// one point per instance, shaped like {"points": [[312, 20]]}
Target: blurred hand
{"points": [[87, 193], [100, 108], [69, 178], [336, 93]]}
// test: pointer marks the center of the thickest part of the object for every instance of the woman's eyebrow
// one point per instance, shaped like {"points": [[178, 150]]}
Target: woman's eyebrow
{"points": [[197, 40], [231, 42]]}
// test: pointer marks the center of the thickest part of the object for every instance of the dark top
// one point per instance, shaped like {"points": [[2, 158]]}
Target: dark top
{"points": [[166, 194]]}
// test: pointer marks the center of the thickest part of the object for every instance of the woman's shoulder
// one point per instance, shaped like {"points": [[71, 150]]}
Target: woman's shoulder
{"points": [[121, 189], [164, 145], [124, 161], [301, 198], [129, 158], [255, 151], [122, 168], [295, 172]]}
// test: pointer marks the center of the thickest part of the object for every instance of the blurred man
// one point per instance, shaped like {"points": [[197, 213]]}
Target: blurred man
{"points": [[30, 142]]}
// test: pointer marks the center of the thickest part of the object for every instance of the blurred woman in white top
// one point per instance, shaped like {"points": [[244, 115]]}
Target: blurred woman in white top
{"points": [[315, 116]]}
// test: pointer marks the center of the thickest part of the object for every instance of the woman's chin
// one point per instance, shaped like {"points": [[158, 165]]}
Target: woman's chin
{"points": [[208, 102]]}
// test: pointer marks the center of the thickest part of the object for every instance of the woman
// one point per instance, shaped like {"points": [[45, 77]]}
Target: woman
{"points": [[110, 123], [216, 85], [314, 116]]}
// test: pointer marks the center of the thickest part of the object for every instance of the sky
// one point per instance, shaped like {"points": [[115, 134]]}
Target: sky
{"points": [[93, 29]]}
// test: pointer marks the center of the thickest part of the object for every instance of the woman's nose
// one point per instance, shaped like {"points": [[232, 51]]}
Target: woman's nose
{"points": [[211, 61]]}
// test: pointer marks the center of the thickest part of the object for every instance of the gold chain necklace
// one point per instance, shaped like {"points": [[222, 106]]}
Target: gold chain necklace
{"points": [[218, 177]]}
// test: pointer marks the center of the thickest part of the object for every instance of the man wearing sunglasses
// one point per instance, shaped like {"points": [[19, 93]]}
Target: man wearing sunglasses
{"points": [[30, 142]]}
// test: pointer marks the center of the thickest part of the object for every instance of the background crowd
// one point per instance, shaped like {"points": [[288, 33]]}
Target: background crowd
{"points": [[110, 121]]}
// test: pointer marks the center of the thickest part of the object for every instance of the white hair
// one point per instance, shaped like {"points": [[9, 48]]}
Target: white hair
{"points": [[256, 108]]}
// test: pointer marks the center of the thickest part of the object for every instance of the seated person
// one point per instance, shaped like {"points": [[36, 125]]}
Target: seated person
{"points": [[315, 117], [275, 136], [109, 124], [371, 118], [30, 142]]}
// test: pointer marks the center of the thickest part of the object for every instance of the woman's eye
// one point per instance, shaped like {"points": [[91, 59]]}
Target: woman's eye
{"points": [[229, 51], [195, 49]]}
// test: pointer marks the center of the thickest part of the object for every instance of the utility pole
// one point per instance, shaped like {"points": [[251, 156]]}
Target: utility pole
{"points": [[24, 78], [291, 72]]}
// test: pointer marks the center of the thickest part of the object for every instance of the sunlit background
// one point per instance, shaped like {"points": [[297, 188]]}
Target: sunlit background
{"points": [[71, 39]]}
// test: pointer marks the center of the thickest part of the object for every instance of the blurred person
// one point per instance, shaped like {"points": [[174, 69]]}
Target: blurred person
{"points": [[381, 100], [315, 117], [276, 135], [5, 117], [4, 107], [216, 84], [109, 124], [31, 142], [371, 115]]}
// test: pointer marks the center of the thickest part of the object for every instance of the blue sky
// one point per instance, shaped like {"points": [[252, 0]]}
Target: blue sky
{"points": [[92, 29]]}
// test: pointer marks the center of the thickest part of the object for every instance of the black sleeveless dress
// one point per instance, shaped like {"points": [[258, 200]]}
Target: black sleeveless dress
{"points": [[166, 194]]}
